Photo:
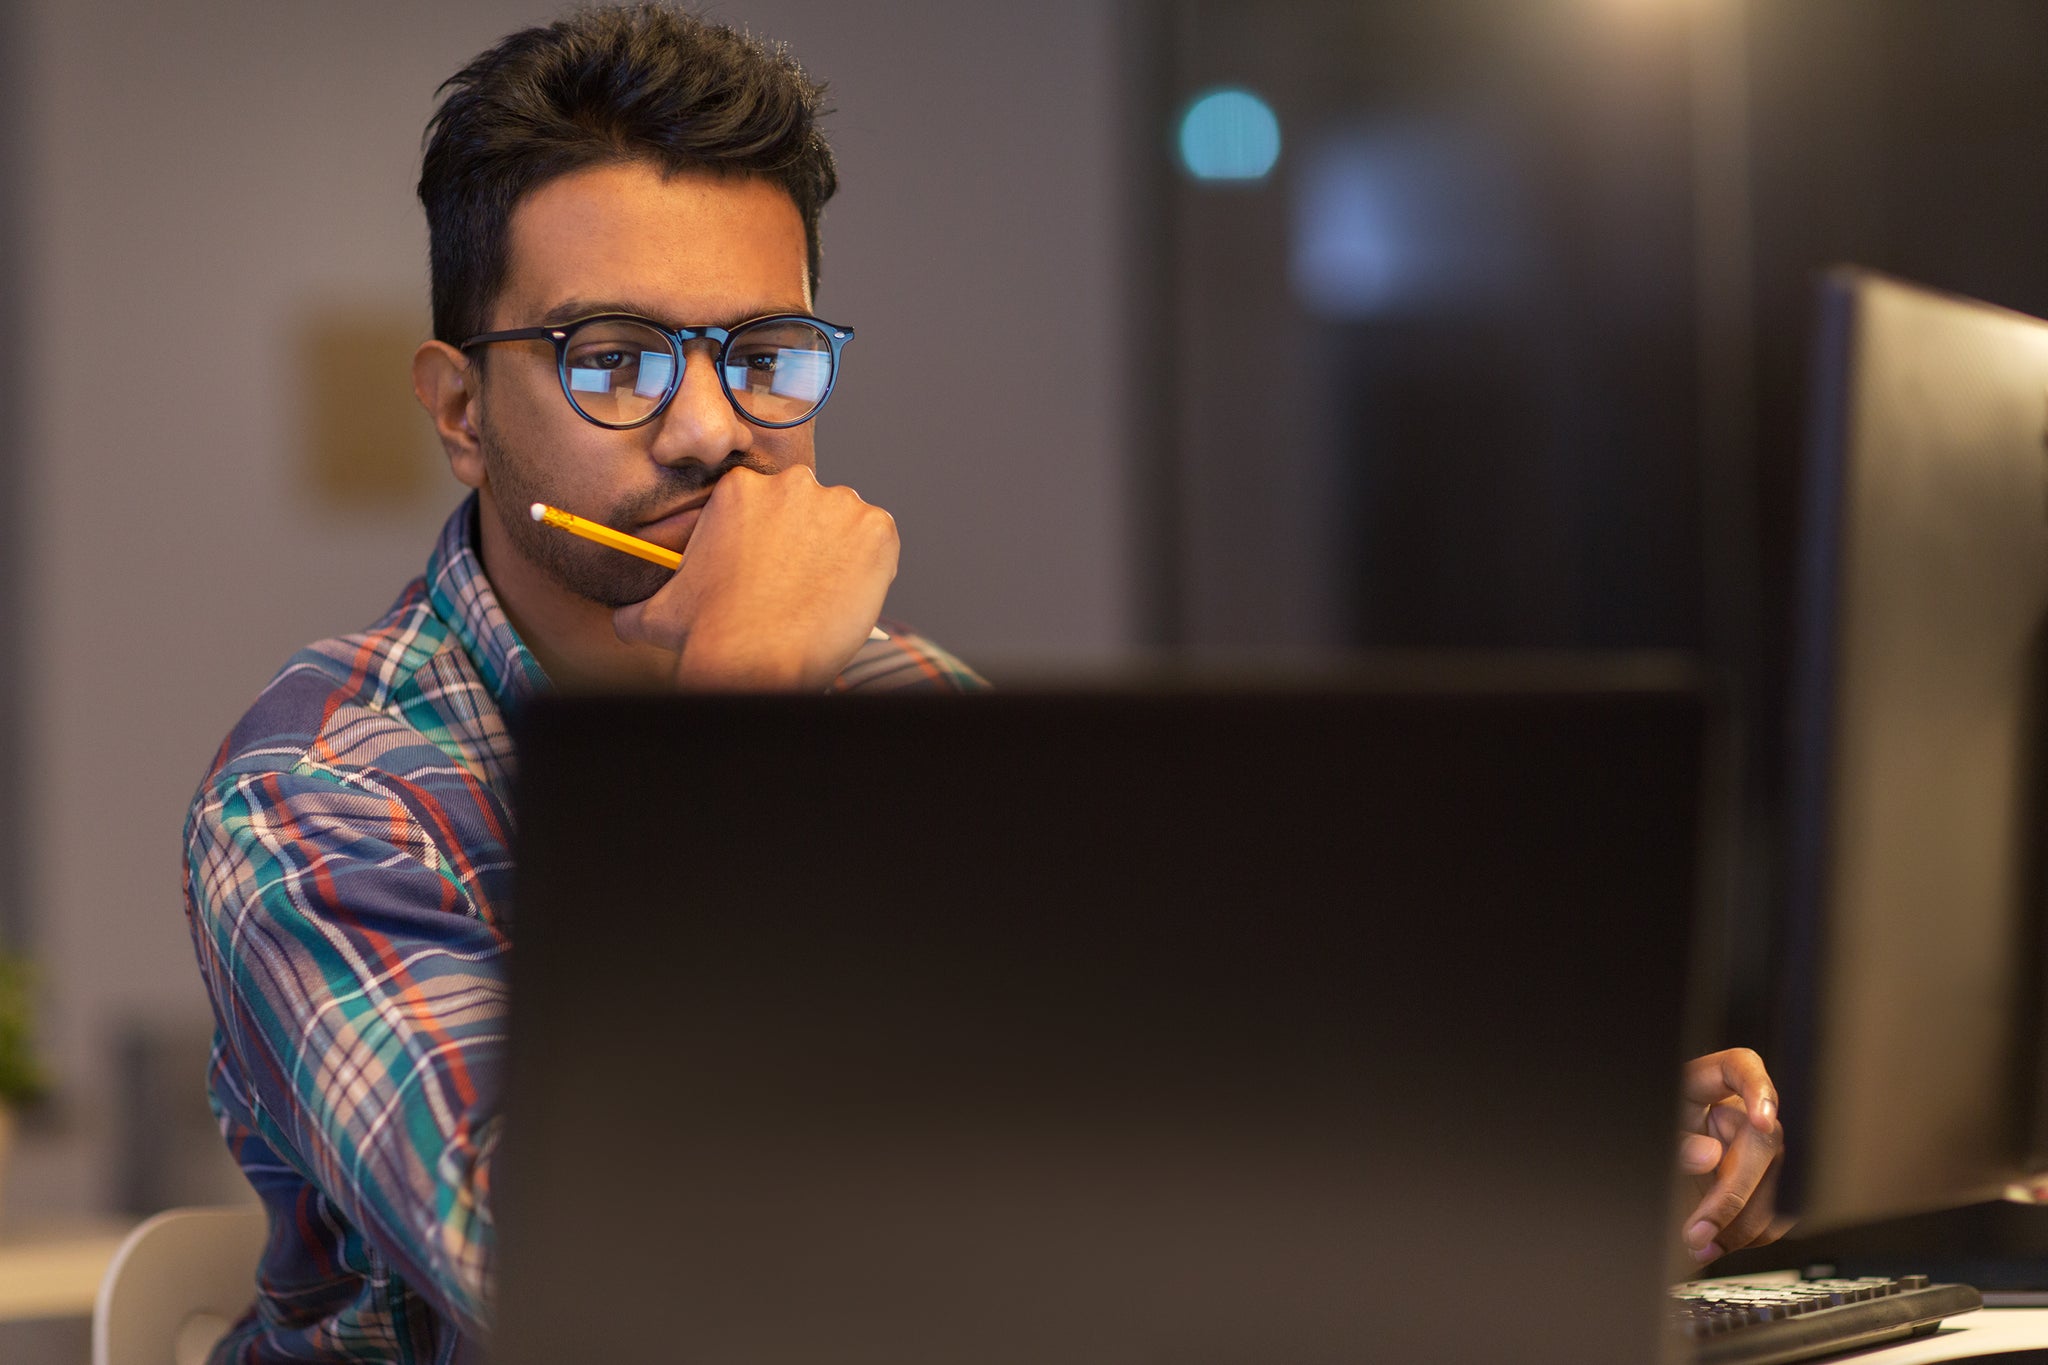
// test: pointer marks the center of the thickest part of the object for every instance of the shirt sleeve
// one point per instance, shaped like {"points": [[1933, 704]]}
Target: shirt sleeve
{"points": [[906, 662], [358, 981]]}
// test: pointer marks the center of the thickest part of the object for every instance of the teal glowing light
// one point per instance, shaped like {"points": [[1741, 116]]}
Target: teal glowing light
{"points": [[1229, 134]]}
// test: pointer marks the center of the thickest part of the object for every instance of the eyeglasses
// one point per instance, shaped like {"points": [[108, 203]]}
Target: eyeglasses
{"points": [[620, 371]]}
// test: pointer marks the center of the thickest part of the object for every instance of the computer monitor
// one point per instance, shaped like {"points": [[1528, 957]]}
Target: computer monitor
{"points": [[1299, 1023], [1908, 1035]]}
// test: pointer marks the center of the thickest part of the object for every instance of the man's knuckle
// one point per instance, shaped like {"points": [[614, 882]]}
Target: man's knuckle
{"points": [[1724, 1208], [1740, 1232]]}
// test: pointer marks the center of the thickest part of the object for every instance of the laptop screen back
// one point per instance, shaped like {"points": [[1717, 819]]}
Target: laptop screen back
{"points": [[1196, 1027]]}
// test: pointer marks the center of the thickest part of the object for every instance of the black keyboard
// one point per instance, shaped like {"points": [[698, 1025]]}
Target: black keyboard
{"points": [[1764, 1320]]}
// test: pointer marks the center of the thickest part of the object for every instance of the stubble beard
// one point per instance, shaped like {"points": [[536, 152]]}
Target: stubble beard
{"points": [[596, 574]]}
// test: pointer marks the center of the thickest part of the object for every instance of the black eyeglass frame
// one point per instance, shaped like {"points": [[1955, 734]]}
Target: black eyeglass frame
{"points": [[835, 336]]}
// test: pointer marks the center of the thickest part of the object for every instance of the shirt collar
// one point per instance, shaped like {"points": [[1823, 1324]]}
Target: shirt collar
{"points": [[462, 597]]}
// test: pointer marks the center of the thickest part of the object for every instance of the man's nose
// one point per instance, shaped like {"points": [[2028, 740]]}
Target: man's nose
{"points": [[699, 423]]}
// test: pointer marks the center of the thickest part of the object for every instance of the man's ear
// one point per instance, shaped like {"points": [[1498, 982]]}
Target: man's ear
{"points": [[446, 384]]}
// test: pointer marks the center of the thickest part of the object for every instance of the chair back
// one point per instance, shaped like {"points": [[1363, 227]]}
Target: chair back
{"points": [[176, 1285]]}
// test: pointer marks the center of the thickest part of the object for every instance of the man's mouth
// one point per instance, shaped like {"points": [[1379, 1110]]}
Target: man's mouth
{"points": [[672, 528]]}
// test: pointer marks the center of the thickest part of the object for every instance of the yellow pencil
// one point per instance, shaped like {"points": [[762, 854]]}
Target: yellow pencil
{"points": [[619, 540], [605, 535]]}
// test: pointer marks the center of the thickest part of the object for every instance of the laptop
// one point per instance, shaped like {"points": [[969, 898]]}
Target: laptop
{"points": [[1209, 1024]]}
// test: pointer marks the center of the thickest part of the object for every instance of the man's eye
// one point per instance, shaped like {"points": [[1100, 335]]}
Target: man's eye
{"points": [[603, 360], [760, 362]]}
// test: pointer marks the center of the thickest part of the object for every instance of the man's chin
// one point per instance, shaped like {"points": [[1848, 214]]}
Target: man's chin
{"points": [[629, 580], [592, 572], [624, 590], [595, 574]]}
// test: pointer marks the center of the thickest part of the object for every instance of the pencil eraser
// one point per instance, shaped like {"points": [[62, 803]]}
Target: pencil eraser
{"points": [[540, 511]]}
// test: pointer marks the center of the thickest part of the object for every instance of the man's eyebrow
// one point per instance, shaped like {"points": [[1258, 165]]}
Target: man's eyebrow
{"points": [[571, 309]]}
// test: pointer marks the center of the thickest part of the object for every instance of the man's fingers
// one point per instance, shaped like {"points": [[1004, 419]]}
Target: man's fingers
{"points": [[1698, 1154], [1732, 1214], [1741, 1171], [1757, 1224], [1737, 1073], [629, 622]]}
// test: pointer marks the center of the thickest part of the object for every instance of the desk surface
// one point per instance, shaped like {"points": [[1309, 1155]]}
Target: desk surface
{"points": [[1986, 1332]]}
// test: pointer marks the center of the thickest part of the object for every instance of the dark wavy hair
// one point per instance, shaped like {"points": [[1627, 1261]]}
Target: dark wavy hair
{"points": [[607, 85]]}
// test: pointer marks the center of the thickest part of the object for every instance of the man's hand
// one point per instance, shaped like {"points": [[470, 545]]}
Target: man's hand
{"points": [[782, 579], [1729, 1143]]}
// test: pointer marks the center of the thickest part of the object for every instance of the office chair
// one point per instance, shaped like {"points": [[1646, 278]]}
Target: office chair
{"points": [[176, 1285]]}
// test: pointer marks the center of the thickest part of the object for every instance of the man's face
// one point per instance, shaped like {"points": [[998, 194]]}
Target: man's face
{"points": [[686, 250]]}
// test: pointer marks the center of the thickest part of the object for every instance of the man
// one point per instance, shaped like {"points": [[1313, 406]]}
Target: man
{"points": [[624, 212], [347, 871]]}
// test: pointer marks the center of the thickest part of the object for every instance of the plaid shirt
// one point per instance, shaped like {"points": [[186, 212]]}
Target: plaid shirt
{"points": [[347, 886]]}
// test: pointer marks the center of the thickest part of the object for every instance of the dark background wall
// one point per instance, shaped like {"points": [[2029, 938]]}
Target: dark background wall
{"points": [[1436, 378], [1552, 391]]}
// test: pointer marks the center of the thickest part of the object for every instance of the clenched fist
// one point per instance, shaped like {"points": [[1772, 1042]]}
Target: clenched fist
{"points": [[781, 581]]}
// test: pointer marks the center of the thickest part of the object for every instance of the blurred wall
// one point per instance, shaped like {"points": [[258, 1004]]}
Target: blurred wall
{"points": [[214, 188]]}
